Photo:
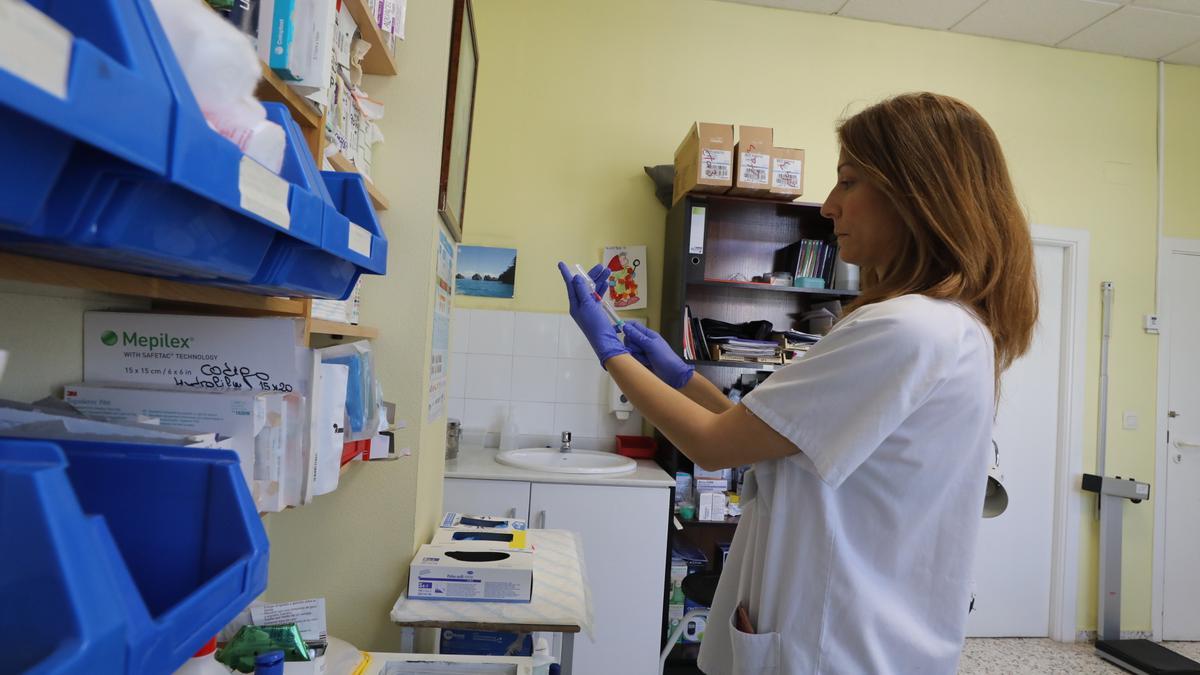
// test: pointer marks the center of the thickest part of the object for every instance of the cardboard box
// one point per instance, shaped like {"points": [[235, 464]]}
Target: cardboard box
{"points": [[704, 485], [240, 415], [712, 506], [704, 160], [787, 173], [451, 572], [196, 352], [481, 532], [752, 156]]}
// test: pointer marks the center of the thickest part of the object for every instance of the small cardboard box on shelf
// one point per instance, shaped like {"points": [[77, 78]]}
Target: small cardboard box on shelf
{"points": [[753, 160], [704, 160]]}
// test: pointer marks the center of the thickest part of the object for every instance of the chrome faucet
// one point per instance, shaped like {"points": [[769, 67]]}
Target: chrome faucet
{"points": [[566, 442]]}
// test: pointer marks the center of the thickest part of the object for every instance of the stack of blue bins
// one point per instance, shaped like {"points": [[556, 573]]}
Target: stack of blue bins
{"points": [[121, 559], [121, 170]]}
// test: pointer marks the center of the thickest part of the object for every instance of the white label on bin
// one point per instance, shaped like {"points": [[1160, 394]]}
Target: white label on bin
{"points": [[755, 168], [360, 240], [696, 236], [787, 173], [34, 47], [263, 193], [714, 164]]}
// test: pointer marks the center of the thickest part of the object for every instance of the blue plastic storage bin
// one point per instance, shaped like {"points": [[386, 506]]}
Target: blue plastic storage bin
{"points": [[328, 266], [112, 66], [131, 556]]}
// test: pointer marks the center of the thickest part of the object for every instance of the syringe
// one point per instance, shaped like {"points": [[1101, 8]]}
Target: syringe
{"points": [[608, 308]]}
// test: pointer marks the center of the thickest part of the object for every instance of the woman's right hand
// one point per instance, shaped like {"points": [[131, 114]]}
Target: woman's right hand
{"points": [[653, 352]]}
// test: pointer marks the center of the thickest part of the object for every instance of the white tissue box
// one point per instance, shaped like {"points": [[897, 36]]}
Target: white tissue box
{"points": [[452, 572]]}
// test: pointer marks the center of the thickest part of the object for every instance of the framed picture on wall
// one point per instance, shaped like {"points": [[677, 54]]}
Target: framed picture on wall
{"points": [[460, 106]]}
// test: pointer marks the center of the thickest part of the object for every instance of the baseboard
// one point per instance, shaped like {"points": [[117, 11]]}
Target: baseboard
{"points": [[1090, 635]]}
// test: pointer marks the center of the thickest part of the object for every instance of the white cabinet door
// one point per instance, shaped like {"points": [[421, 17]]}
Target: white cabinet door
{"points": [[504, 498], [624, 534]]}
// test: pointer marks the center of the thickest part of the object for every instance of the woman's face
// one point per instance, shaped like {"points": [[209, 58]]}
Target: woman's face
{"points": [[867, 226]]}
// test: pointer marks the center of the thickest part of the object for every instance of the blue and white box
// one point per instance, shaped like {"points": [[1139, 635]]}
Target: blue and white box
{"points": [[453, 572]]}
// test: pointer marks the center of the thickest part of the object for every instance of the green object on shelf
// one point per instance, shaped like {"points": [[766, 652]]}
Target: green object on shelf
{"points": [[809, 282], [687, 511], [220, 4]]}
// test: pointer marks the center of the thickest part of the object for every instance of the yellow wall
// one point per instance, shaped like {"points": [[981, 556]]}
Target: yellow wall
{"points": [[1182, 170], [575, 97], [353, 546]]}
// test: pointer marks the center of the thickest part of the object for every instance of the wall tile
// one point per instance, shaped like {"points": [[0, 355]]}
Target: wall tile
{"points": [[484, 415], [580, 419], [535, 334], [571, 343], [491, 332], [533, 418], [457, 382], [488, 376], [580, 381], [534, 379], [455, 407], [460, 328]]}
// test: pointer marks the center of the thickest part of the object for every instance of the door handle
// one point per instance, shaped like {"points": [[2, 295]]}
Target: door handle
{"points": [[512, 513], [1186, 444], [542, 519]]}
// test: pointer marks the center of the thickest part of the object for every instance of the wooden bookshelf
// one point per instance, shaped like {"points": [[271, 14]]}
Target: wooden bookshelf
{"points": [[340, 163], [379, 60], [40, 271], [273, 88]]}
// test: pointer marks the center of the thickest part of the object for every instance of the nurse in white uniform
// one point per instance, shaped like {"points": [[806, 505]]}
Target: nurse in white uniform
{"points": [[870, 454]]}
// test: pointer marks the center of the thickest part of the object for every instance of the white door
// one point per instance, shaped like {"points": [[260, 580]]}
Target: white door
{"points": [[504, 498], [624, 535], [1181, 588], [1014, 560]]}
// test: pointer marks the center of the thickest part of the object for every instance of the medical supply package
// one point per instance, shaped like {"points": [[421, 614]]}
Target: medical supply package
{"points": [[752, 157], [196, 352], [256, 422], [704, 160], [787, 173], [453, 572], [482, 532], [56, 420]]}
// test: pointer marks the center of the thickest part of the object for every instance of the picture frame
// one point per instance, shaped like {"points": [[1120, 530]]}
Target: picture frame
{"points": [[460, 108]]}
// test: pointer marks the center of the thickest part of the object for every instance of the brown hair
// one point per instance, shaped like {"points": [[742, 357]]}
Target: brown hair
{"points": [[965, 235]]}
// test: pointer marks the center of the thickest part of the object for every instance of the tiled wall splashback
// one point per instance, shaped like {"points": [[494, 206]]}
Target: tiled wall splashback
{"points": [[539, 367]]}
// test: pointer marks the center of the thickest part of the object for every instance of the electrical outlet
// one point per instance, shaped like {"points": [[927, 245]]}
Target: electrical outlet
{"points": [[1129, 420], [1150, 323]]}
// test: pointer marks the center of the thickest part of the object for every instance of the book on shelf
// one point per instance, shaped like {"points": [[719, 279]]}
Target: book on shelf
{"points": [[808, 258]]}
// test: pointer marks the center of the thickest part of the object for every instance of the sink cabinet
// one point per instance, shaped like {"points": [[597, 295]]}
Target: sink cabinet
{"points": [[624, 535]]}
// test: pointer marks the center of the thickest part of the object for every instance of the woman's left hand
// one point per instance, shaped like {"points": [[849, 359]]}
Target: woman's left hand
{"points": [[590, 317]]}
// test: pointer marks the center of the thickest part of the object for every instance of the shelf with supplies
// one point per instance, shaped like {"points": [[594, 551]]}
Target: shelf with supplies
{"points": [[773, 288], [379, 59], [337, 329], [340, 163], [744, 365]]}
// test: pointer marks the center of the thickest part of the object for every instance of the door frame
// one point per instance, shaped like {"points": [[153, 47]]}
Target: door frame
{"points": [[1168, 246], [1068, 499]]}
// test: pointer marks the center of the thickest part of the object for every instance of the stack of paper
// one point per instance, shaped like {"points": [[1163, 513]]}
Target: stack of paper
{"points": [[752, 351]]}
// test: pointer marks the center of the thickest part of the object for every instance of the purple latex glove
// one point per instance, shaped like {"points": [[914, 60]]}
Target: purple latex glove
{"points": [[588, 315], [653, 352]]}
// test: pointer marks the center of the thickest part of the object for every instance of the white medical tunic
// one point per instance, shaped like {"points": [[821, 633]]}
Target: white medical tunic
{"points": [[854, 555]]}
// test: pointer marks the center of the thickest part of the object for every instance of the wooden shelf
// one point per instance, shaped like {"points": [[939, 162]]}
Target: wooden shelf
{"points": [[738, 364], [378, 61], [273, 88], [340, 163], [769, 288], [322, 327], [40, 271]]}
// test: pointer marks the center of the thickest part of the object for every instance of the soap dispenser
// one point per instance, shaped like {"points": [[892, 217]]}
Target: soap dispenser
{"points": [[618, 403]]}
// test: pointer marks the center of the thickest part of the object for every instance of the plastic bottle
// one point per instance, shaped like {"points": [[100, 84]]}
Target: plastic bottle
{"points": [[542, 659], [204, 662], [508, 435], [270, 663]]}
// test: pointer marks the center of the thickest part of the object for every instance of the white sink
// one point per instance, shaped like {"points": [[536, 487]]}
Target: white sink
{"points": [[575, 461]]}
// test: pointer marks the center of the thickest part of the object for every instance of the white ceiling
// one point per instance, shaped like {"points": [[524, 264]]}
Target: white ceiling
{"points": [[1146, 29]]}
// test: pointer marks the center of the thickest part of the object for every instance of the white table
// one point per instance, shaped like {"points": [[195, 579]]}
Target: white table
{"points": [[560, 603]]}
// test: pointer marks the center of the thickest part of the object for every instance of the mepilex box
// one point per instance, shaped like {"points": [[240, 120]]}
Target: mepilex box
{"points": [[453, 572]]}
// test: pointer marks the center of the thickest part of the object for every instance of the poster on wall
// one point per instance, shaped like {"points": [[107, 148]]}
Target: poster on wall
{"points": [[439, 355], [627, 267], [486, 271]]}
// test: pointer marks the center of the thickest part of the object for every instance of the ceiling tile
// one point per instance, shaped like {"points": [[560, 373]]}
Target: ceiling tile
{"points": [[1138, 32], [1045, 22], [818, 6], [1181, 6], [1189, 55], [939, 14]]}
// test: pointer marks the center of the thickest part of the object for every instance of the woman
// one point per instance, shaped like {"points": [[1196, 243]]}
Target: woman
{"points": [[870, 454]]}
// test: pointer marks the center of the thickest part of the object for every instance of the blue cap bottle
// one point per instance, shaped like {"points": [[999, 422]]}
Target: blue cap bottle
{"points": [[270, 663]]}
